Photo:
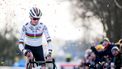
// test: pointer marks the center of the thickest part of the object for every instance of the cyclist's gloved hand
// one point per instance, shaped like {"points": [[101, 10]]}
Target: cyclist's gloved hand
{"points": [[49, 48], [50, 51], [27, 53]]}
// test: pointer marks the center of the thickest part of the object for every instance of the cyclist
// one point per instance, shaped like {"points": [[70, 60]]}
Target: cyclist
{"points": [[30, 42]]}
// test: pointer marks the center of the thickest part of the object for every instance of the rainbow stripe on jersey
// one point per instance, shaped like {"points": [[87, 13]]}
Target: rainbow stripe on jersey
{"points": [[34, 35]]}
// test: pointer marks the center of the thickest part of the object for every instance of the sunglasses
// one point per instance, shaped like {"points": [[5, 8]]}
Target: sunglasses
{"points": [[36, 18]]}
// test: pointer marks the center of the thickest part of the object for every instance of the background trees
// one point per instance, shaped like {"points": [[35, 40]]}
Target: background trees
{"points": [[108, 11]]}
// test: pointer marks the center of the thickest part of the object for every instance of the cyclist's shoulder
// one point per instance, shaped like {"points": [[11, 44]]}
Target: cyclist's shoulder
{"points": [[42, 24], [26, 24]]}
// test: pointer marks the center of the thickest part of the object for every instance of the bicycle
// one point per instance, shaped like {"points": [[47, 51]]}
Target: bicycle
{"points": [[36, 64]]}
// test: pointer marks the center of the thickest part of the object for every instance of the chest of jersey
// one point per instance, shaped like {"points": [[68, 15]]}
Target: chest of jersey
{"points": [[34, 31]]}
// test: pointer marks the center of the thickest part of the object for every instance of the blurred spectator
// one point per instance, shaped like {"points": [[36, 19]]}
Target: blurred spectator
{"points": [[99, 47], [82, 64], [87, 53], [105, 42], [107, 47], [99, 52], [68, 58], [89, 60], [119, 45], [103, 53], [117, 58]]}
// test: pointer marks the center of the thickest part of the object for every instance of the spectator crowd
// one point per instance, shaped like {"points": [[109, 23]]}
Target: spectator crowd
{"points": [[104, 55]]}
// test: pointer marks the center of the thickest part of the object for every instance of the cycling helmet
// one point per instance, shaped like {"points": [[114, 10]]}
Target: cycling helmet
{"points": [[35, 12]]}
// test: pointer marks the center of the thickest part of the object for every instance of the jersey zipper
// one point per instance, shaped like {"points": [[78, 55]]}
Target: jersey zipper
{"points": [[34, 32]]}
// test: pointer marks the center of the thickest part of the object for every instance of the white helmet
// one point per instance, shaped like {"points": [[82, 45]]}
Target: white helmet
{"points": [[35, 12]]}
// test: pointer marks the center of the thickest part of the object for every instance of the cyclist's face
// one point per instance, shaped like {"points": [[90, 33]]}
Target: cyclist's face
{"points": [[34, 21]]}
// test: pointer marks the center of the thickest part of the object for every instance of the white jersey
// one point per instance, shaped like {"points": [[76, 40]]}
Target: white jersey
{"points": [[32, 35]]}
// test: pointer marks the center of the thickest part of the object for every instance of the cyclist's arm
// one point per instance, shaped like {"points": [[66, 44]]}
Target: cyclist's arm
{"points": [[21, 40], [46, 33]]}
